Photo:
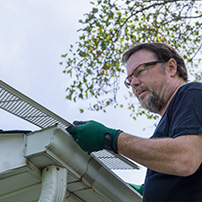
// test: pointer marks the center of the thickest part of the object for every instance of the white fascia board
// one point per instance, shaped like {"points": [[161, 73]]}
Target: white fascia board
{"points": [[12, 146], [19, 178]]}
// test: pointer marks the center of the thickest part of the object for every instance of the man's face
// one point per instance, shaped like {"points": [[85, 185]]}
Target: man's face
{"points": [[149, 87]]}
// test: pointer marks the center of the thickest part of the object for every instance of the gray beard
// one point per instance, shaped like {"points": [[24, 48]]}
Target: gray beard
{"points": [[154, 103]]}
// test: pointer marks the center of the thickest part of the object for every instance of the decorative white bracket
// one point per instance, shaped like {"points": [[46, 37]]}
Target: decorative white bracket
{"points": [[54, 184]]}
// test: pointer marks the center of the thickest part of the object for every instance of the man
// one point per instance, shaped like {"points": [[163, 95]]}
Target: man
{"points": [[173, 155]]}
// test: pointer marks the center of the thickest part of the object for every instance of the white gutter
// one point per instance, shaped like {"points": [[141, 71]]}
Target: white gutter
{"points": [[86, 176]]}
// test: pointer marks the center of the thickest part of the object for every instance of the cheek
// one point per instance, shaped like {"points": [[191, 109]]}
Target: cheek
{"points": [[156, 82]]}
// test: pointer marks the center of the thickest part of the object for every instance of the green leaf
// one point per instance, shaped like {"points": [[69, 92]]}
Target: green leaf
{"points": [[69, 97], [95, 10], [64, 56]]}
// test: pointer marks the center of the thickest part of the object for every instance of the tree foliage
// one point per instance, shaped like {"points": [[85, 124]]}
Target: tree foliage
{"points": [[94, 61]]}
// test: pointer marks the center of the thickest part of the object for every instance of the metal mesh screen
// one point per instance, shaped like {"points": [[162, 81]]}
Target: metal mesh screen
{"points": [[114, 161], [22, 106]]}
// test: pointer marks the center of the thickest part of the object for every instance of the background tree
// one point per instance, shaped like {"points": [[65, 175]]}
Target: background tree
{"points": [[94, 62]]}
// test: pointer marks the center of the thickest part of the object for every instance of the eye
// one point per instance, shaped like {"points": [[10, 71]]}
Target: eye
{"points": [[140, 71]]}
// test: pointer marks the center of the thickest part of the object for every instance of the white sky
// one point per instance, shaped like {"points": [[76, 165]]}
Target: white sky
{"points": [[33, 36]]}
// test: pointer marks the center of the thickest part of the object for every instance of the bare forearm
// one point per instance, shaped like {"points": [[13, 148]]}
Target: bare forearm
{"points": [[164, 155]]}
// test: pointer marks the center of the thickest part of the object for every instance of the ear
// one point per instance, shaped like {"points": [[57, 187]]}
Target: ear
{"points": [[172, 67]]}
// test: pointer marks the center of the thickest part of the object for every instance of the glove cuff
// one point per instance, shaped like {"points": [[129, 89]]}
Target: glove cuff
{"points": [[110, 140]]}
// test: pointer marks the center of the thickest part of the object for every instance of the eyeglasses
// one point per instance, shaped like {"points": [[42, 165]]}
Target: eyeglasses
{"points": [[139, 71]]}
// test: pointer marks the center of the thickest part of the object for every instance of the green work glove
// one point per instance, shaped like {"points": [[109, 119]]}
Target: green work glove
{"points": [[93, 136], [138, 188]]}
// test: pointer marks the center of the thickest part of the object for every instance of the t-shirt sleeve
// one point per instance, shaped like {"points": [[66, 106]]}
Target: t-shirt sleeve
{"points": [[186, 113]]}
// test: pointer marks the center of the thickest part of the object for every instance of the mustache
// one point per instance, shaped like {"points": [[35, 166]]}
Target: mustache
{"points": [[141, 88]]}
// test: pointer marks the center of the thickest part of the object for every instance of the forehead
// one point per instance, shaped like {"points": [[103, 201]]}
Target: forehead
{"points": [[139, 57]]}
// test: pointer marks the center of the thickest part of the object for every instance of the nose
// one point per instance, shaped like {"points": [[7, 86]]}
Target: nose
{"points": [[135, 82]]}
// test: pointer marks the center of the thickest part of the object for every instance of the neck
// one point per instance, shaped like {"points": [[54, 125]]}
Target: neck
{"points": [[174, 91]]}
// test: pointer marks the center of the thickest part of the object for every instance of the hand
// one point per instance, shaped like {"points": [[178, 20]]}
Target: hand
{"points": [[93, 136]]}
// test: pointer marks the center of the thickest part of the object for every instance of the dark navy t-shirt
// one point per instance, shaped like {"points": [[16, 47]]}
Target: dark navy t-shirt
{"points": [[183, 116]]}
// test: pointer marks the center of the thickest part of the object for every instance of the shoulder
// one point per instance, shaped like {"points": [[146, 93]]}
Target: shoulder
{"points": [[185, 110], [188, 93], [192, 86]]}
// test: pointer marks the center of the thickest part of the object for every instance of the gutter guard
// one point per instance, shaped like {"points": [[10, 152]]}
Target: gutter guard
{"points": [[22, 106]]}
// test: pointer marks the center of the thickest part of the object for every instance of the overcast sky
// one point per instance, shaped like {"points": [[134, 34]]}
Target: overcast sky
{"points": [[34, 34]]}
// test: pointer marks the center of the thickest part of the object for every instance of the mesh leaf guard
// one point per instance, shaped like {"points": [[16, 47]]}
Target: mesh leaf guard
{"points": [[22, 106]]}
